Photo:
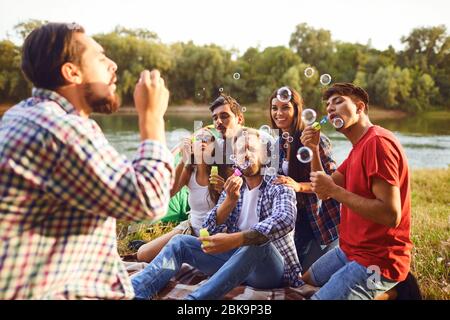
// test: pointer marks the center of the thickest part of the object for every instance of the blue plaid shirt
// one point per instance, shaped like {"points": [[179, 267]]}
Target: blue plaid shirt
{"points": [[277, 211]]}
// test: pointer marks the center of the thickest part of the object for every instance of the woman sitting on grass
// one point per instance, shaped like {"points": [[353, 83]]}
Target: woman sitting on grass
{"points": [[193, 172]]}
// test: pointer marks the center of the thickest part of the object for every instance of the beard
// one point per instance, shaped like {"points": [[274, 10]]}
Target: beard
{"points": [[105, 104]]}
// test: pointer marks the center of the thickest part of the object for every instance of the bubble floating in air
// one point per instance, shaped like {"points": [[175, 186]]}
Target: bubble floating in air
{"points": [[304, 155], [325, 79], [284, 94], [309, 116], [309, 72]]}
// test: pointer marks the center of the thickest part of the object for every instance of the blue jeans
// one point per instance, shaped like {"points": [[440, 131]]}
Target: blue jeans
{"points": [[342, 279], [257, 266]]}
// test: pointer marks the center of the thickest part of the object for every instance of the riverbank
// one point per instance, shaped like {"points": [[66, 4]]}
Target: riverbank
{"points": [[430, 230], [375, 113]]}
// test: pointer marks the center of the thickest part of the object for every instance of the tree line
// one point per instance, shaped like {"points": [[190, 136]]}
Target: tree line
{"points": [[414, 79]]}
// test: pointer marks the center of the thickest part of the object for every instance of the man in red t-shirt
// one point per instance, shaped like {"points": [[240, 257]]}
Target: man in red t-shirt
{"points": [[372, 185]]}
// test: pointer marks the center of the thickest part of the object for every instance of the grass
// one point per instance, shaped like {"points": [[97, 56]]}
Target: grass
{"points": [[430, 230]]}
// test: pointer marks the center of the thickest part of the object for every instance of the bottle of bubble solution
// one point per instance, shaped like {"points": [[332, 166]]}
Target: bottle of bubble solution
{"points": [[304, 154], [214, 171], [204, 233]]}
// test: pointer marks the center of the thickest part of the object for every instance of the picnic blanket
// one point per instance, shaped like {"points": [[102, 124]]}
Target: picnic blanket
{"points": [[189, 279]]}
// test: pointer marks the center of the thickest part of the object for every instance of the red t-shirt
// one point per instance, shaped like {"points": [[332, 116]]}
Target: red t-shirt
{"points": [[377, 154]]}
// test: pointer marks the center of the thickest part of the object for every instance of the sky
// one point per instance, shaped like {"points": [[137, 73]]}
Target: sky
{"points": [[237, 24]]}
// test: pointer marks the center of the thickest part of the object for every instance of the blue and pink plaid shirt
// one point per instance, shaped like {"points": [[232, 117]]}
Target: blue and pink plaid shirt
{"points": [[62, 187], [277, 211]]}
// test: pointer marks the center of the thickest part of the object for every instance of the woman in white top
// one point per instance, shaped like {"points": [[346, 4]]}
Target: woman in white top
{"points": [[204, 189]]}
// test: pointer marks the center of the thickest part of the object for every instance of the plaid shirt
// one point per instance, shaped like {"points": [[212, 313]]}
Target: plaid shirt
{"points": [[276, 210], [62, 187], [323, 215]]}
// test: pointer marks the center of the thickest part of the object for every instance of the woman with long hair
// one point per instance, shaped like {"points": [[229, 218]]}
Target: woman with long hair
{"points": [[316, 229]]}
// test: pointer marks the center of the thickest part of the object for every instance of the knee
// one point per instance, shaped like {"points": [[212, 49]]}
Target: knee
{"points": [[181, 240], [259, 252]]}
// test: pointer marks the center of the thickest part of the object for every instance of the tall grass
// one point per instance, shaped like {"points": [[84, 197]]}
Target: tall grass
{"points": [[430, 231]]}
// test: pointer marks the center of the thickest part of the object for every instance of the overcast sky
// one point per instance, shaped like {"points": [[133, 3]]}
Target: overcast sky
{"points": [[237, 23]]}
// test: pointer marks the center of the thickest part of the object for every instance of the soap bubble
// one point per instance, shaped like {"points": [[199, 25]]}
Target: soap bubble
{"points": [[309, 72], [266, 129], [309, 116], [338, 123], [304, 155], [325, 79], [284, 94], [286, 145], [236, 76], [244, 109], [271, 171], [285, 135], [290, 139], [220, 89]]}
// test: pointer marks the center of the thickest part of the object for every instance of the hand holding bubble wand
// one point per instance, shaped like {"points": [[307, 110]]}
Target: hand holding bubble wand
{"points": [[305, 154]]}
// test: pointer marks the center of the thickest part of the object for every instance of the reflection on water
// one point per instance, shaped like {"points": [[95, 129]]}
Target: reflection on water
{"points": [[426, 141]]}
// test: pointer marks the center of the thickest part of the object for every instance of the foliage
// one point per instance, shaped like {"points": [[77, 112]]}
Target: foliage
{"points": [[414, 79]]}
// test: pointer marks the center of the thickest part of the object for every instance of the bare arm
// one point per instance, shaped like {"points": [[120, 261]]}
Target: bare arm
{"points": [[223, 242], [232, 187], [182, 176], [385, 209], [253, 238]]}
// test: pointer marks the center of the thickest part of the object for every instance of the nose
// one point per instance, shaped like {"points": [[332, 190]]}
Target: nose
{"points": [[330, 108], [113, 65]]}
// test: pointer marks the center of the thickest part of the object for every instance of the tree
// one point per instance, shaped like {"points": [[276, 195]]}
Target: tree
{"points": [[314, 46], [23, 29]]}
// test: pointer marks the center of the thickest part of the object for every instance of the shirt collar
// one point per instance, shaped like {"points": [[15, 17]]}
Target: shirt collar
{"points": [[45, 94]]}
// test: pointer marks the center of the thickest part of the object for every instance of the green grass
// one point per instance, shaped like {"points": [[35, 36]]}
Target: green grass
{"points": [[439, 115], [430, 230]]}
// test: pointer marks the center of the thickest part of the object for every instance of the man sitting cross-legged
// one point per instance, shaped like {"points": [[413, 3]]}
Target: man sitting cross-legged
{"points": [[252, 235]]}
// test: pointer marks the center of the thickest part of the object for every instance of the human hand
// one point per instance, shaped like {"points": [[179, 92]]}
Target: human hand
{"points": [[232, 187], [310, 138], [151, 95], [322, 184], [221, 242]]}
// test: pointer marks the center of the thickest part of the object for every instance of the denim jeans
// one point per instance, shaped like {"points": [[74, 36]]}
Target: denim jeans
{"points": [[342, 279], [310, 251], [257, 266]]}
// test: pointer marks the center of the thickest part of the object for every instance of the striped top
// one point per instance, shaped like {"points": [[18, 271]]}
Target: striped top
{"points": [[62, 187]]}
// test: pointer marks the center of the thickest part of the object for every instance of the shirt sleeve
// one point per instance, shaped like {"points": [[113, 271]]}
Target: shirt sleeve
{"points": [[91, 175], [211, 220], [282, 219], [381, 160]]}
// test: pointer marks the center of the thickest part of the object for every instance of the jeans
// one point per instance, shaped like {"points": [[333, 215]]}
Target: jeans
{"points": [[310, 251], [342, 279], [257, 266]]}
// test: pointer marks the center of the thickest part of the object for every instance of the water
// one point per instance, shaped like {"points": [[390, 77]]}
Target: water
{"points": [[426, 141]]}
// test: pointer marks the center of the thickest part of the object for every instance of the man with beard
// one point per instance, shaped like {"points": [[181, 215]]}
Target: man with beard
{"points": [[228, 118], [62, 185], [251, 237]]}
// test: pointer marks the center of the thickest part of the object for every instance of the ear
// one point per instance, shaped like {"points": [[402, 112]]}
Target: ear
{"points": [[71, 73], [241, 119], [360, 107]]}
